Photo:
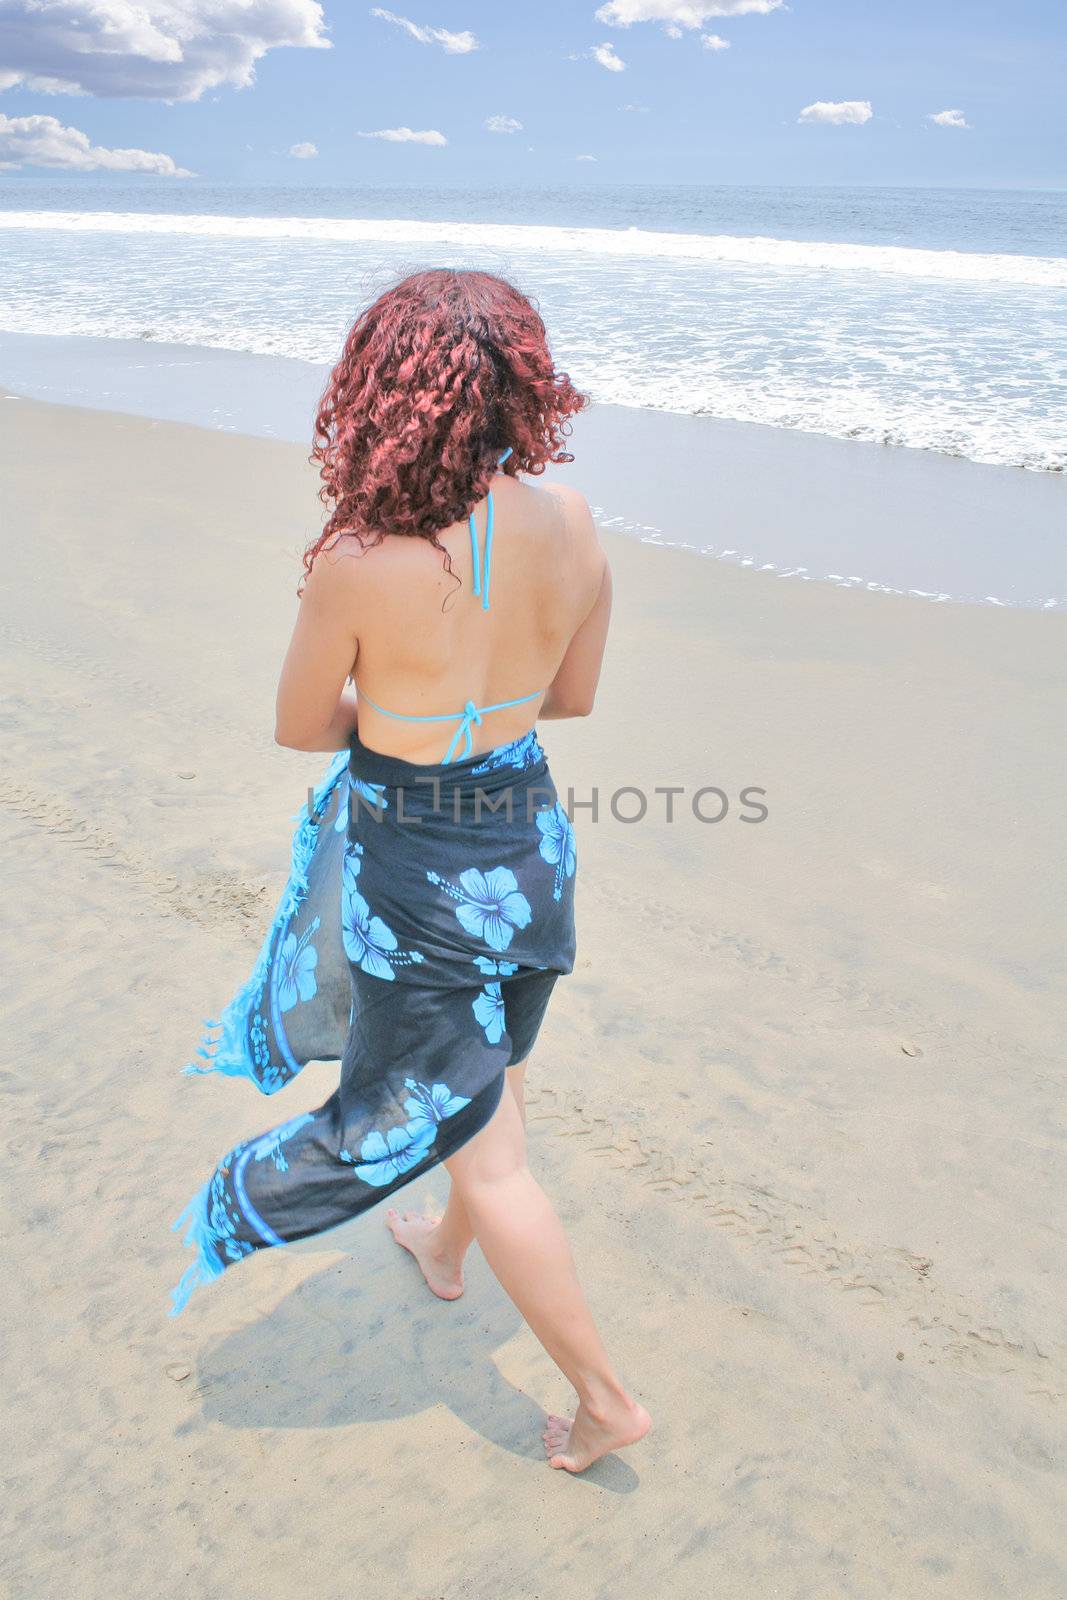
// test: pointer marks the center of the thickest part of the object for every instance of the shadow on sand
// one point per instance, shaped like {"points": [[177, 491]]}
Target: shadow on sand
{"points": [[364, 1341]]}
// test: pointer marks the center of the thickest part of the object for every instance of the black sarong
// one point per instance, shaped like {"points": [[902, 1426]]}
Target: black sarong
{"points": [[428, 913]]}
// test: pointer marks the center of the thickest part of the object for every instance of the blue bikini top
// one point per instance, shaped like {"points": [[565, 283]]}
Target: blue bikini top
{"points": [[471, 715]]}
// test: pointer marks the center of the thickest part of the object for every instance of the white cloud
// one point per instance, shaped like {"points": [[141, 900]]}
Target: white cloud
{"points": [[714, 41], [456, 44], [406, 136], [40, 83], [629, 107], [585, 158], [45, 142], [605, 55], [503, 124], [837, 111], [679, 14], [949, 119], [148, 49], [303, 152]]}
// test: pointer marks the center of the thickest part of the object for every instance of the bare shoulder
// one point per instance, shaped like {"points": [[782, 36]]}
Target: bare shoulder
{"points": [[339, 574], [576, 519], [572, 502]]}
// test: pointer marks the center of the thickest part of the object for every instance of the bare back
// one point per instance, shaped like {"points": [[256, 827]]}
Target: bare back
{"points": [[426, 644]]}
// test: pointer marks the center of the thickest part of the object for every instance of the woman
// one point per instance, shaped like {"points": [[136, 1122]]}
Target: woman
{"points": [[429, 911]]}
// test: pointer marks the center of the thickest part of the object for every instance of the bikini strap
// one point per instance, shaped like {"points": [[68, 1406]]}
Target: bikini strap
{"points": [[470, 717], [481, 577]]}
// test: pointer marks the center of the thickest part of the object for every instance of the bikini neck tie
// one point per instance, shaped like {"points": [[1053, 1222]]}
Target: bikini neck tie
{"points": [[481, 573]]}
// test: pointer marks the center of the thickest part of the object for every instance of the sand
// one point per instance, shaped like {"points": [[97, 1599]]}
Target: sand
{"points": [[798, 1104]]}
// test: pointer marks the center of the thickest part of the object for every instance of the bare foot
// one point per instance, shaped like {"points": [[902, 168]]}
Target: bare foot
{"points": [[416, 1233], [574, 1443]]}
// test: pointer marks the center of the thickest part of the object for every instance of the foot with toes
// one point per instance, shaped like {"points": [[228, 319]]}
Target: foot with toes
{"points": [[574, 1443], [419, 1235]]}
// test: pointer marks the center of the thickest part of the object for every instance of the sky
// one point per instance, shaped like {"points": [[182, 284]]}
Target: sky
{"points": [[955, 93]]}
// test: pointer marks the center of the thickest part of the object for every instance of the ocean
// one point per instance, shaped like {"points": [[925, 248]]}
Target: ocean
{"points": [[935, 319]]}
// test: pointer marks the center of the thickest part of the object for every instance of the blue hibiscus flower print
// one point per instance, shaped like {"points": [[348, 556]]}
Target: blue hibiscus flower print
{"points": [[212, 1218], [269, 1145], [223, 1219], [374, 793], [298, 960], [488, 1008], [488, 1005], [384, 1157], [520, 753], [429, 1104], [494, 968], [490, 905], [369, 942], [557, 844]]}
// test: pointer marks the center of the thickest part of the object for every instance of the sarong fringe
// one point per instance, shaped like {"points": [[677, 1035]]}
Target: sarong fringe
{"points": [[229, 1051], [200, 1234]]}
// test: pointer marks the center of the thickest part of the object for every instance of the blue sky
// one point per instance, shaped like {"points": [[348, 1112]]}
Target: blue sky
{"points": [[875, 74]]}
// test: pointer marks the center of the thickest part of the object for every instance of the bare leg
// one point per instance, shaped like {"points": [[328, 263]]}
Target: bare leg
{"points": [[524, 1243], [439, 1244]]}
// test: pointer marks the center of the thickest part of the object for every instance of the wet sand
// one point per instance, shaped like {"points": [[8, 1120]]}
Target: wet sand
{"points": [[800, 504], [799, 1104]]}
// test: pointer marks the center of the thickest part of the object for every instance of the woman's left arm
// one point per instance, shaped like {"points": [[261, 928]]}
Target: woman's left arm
{"points": [[316, 706]]}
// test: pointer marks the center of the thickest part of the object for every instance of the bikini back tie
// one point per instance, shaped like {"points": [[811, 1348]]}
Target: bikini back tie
{"points": [[470, 717]]}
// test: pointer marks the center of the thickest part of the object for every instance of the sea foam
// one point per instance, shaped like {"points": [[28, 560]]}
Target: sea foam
{"points": [[898, 261]]}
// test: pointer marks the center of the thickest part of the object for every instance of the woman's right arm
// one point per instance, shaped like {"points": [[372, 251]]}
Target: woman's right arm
{"points": [[573, 689]]}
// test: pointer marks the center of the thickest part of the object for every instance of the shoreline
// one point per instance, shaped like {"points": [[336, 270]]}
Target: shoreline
{"points": [[807, 507]]}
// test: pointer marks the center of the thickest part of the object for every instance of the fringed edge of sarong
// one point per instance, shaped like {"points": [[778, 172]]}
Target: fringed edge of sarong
{"points": [[200, 1235], [224, 1044]]}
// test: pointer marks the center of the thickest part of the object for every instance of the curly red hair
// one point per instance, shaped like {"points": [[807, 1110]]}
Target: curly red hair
{"points": [[437, 378]]}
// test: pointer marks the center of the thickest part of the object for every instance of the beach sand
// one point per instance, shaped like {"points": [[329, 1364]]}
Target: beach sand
{"points": [[798, 1105]]}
